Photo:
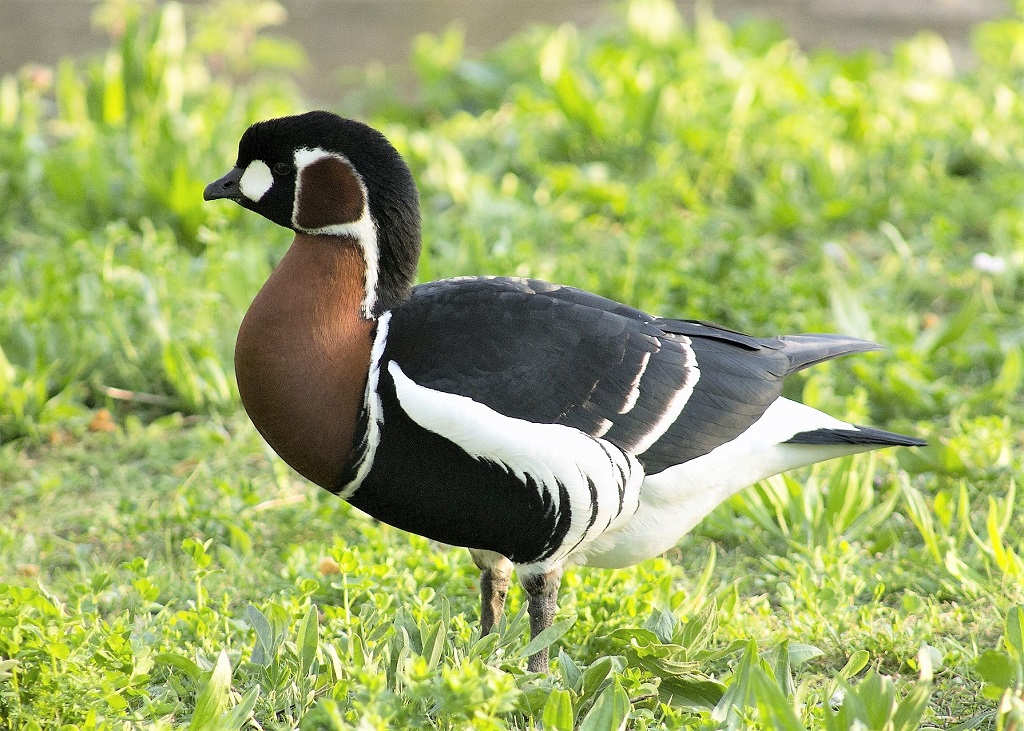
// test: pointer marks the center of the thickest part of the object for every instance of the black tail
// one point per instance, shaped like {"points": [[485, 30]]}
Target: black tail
{"points": [[859, 435], [804, 351]]}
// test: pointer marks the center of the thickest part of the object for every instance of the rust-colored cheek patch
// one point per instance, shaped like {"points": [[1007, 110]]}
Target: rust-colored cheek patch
{"points": [[329, 194]]}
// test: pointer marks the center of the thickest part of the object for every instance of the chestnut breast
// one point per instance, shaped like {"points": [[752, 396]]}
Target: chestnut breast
{"points": [[303, 353]]}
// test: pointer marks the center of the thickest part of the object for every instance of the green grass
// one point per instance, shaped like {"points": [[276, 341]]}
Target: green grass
{"points": [[160, 568]]}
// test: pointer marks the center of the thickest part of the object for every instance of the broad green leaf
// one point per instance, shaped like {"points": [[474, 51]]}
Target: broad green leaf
{"points": [[439, 637], [839, 716], [911, 710], [700, 629], [876, 695], [263, 652], [737, 694], [780, 662], [309, 635], [696, 693], [572, 676], [356, 651], [485, 646], [404, 621], [638, 637], [400, 650], [950, 329], [198, 551], [213, 698], [337, 668], [180, 662], [547, 637], [1013, 637], [557, 715], [799, 653], [610, 711], [239, 714], [772, 703], [532, 699], [1011, 374], [662, 623], [996, 669], [595, 675], [665, 667], [848, 308]]}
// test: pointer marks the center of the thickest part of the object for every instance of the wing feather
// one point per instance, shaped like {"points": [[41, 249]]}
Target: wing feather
{"points": [[665, 390]]}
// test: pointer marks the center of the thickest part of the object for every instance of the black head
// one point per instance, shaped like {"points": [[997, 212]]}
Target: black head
{"points": [[319, 173]]}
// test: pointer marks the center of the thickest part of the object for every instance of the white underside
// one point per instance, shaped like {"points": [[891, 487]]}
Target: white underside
{"points": [[673, 501]]}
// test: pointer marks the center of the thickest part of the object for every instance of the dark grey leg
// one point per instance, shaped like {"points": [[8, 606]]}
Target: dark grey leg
{"points": [[495, 577], [542, 590]]}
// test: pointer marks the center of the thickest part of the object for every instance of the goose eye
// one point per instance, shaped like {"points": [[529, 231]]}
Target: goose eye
{"points": [[282, 168]]}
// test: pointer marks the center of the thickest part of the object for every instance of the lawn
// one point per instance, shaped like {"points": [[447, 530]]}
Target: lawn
{"points": [[161, 568]]}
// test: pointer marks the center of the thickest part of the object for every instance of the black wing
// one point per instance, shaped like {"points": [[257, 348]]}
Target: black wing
{"points": [[666, 390]]}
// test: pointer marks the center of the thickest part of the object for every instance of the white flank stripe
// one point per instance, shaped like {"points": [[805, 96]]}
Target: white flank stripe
{"points": [[256, 180], [552, 454], [634, 387], [371, 401], [363, 230], [678, 401]]}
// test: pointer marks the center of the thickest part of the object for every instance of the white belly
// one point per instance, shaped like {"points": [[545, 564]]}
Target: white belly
{"points": [[673, 501]]}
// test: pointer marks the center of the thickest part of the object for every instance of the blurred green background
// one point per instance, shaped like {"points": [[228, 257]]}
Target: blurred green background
{"points": [[154, 555], [343, 33]]}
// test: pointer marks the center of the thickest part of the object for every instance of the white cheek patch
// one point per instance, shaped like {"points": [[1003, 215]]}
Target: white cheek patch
{"points": [[256, 180]]}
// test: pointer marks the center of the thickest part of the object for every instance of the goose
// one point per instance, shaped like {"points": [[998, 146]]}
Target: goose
{"points": [[538, 425]]}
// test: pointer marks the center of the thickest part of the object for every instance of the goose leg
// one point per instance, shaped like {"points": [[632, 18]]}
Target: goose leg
{"points": [[495, 577], [542, 590]]}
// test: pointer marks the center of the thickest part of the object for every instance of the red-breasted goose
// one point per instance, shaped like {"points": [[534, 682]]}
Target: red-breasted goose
{"points": [[538, 425]]}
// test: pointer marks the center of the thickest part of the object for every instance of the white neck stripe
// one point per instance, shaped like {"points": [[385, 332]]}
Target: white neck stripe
{"points": [[363, 230], [375, 412]]}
